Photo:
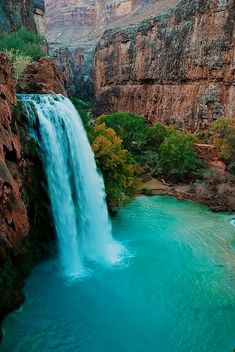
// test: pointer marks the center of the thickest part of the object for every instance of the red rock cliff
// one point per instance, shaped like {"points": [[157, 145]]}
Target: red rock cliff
{"points": [[177, 67], [43, 77], [74, 27], [13, 215]]}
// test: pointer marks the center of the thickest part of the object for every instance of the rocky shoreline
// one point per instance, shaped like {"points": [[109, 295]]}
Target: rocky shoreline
{"points": [[187, 192]]}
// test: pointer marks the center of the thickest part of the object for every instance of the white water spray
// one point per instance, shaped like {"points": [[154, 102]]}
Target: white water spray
{"points": [[76, 188]]}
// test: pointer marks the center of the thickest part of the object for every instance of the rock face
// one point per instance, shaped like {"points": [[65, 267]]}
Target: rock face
{"points": [[210, 156], [13, 215], [73, 64], [25, 220], [177, 67], [89, 18], [15, 14], [43, 77], [75, 26]]}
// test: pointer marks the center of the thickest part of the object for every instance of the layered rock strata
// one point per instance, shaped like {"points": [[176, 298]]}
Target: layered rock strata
{"points": [[177, 67], [75, 26]]}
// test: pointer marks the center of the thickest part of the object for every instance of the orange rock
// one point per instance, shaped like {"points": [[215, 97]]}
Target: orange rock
{"points": [[210, 156], [43, 77]]}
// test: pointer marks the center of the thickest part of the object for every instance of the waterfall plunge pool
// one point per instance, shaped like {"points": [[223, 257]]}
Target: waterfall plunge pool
{"points": [[175, 291]]}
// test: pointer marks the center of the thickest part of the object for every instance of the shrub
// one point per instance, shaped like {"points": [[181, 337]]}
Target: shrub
{"points": [[149, 161], [155, 137], [131, 128], [18, 62], [223, 137], [25, 43], [231, 168], [177, 157], [116, 164]]}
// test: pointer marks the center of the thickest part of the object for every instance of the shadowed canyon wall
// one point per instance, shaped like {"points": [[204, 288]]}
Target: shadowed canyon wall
{"points": [[177, 67], [15, 14]]}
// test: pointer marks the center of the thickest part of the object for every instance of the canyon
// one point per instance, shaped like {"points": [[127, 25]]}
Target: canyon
{"points": [[177, 68], [74, 28], [171, 61]]}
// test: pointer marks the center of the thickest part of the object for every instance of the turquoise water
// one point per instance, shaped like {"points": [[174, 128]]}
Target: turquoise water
{"points": [[174, 291]]}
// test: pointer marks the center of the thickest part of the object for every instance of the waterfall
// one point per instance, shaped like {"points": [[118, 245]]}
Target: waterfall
{"points": [[76, 187]]}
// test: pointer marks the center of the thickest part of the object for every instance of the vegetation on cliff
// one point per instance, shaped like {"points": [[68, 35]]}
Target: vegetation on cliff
{"points": [[22, 48]]}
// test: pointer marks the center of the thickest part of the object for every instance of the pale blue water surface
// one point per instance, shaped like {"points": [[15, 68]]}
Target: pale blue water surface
{"points": [[173, 291]]}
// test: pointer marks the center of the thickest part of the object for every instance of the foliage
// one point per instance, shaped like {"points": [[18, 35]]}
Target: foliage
{"points": [[231, 168], [149, 161], [131, 128], [23, 42], [18, 62], [223, 137], [177, 157], [84, 110], [160, 150], [116, 164], [155, 137]]}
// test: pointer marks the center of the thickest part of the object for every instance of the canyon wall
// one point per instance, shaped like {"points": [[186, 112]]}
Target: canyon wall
{"points": [[74, 27], [177, 67], [15, 14]]}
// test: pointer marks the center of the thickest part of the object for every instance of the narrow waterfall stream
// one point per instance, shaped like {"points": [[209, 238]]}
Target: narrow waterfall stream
{"points": [[76, 188]]}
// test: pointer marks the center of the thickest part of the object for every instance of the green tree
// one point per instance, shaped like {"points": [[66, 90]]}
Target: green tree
{"points": [[131, 128], [177, 157], [155, 137], [223, 137]]}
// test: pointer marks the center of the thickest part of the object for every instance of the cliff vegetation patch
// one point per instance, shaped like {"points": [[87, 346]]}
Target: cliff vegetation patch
{"points": [[22, 48]]}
